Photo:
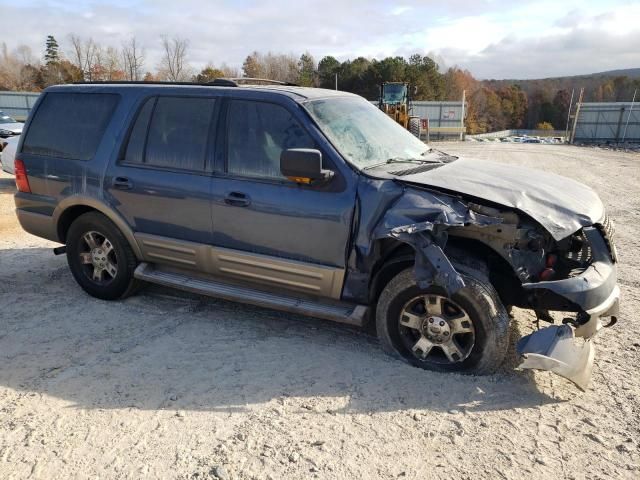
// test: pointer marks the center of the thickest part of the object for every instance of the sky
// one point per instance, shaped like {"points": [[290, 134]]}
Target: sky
{"points": [[491, 38]]}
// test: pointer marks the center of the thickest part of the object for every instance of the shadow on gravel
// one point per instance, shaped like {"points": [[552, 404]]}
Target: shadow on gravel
{"points": [[7, 185], [163, 349]]}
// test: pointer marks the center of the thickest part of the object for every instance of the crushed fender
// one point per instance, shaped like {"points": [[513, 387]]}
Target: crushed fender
{"points": [[555, 349], [423, 223]]}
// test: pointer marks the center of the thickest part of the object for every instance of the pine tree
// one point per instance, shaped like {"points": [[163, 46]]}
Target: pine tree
{"points": [[51, 52]]}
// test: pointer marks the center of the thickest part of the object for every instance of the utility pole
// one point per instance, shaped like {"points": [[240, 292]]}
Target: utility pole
{"points": [[575, 118], [566, 130], [336, 81], [624, 134], [462, 130]]}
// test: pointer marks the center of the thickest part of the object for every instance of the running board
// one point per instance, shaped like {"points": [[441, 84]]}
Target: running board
{"points": [[338, 312]]}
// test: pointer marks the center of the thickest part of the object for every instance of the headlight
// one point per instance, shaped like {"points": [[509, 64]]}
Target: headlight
{"points": [[6, 132]]}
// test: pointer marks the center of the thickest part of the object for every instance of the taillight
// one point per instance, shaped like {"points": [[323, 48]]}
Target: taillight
{"points": [[22, 182]]}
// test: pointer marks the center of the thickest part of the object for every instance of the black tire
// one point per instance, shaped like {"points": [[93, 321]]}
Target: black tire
{"points": [[414, 126], [479, 300], [121, 256]]}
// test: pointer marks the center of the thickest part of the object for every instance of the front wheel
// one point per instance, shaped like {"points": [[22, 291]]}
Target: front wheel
{"points": [[466, 332]]}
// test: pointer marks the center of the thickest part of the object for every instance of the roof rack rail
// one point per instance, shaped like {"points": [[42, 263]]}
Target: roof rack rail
{"points": [[252, 80], [218, 82]]}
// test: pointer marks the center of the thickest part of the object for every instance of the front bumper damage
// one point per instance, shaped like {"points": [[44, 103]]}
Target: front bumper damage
{"points": [[568, 350]]}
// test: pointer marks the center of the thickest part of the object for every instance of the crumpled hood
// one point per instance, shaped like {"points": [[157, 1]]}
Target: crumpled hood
{"points": [[559, 204], [15, 128]]}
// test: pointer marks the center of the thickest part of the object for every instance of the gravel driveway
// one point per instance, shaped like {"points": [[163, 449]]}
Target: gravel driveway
{"points": [[164, 385]]}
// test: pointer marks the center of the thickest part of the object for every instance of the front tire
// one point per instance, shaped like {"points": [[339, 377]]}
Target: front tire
{"points": [[466, 332], [100, 258]]}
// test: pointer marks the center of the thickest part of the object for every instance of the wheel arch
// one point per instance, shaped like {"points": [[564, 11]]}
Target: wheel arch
{"points": [[395, 256], [72, 207]]}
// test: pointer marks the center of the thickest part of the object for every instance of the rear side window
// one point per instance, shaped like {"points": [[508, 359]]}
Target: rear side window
{"points": [[70, 125], [258, 132], [171, 132]]}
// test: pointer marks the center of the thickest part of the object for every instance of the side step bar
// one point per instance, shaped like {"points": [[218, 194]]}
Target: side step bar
{"points": [[338, 312]]}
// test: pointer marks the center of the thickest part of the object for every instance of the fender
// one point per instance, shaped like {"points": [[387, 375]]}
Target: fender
{"points": [[82, 200]]}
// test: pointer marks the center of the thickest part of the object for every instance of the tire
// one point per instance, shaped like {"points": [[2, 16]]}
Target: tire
{"points": [[110, 249], [414, 126], [475, 310]]}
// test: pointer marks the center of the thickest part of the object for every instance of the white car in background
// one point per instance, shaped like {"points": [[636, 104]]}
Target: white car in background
{"points": [[8, 152], [9, 126]]}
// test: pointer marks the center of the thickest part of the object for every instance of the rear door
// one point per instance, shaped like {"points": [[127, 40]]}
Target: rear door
{"points": [[281, 233], [161, 182]]}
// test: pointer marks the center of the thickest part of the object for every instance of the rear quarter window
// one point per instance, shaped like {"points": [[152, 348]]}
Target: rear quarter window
{"points": [[70, 125]]}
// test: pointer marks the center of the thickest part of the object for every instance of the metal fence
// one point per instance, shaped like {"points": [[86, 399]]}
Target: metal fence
{"points": [[17, 104], [520, 132], [444, 120], [609, 122]]}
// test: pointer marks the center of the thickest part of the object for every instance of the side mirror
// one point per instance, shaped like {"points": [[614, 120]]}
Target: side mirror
{"points": [[303, 165]]}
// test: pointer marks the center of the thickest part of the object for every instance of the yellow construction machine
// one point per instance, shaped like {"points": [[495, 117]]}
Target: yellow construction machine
{"points": [[395, 101]]}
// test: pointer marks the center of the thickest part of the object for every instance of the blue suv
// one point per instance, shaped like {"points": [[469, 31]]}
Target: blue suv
{"points": [[314, 201]]}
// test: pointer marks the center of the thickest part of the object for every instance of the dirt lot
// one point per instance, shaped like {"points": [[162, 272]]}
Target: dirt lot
{"points": [[164, 385]]}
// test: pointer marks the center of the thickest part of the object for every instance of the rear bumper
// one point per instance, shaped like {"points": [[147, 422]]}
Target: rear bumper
{"points": [[37, 224]]}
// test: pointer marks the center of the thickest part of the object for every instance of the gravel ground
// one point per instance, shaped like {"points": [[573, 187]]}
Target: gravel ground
{"points": [[164, 385]]}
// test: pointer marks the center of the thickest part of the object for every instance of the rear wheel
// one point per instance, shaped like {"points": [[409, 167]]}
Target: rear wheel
{"points": [[100, 258], [466, 332]]}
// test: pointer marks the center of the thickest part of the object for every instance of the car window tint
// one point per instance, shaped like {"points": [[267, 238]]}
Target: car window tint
{"points": [[178, 132], [70, 125], [138, 137], [257, 133]]}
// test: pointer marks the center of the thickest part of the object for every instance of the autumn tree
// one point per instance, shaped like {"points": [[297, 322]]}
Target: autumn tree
{"points": [[132, 60], [208, 74], [84, 55], [173, 65]]}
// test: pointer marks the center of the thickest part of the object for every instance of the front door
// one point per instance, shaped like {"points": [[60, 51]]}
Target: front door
{"points": [[271, 229]]}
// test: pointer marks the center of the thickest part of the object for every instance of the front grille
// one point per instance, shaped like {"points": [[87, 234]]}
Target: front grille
{"points": [[608, 233]]}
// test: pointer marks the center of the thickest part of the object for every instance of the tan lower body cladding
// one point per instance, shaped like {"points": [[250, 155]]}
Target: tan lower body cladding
{"points": [[312, 279]]}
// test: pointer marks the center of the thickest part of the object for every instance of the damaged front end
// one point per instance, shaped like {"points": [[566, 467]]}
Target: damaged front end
{"points": [[574, 273], [592, 292]]}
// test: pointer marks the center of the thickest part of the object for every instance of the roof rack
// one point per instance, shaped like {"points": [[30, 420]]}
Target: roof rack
{"points": [[253, 81], [218, 82]]}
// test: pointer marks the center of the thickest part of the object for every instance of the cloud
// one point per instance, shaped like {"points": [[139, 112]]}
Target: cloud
{"points": [[492, 38]]}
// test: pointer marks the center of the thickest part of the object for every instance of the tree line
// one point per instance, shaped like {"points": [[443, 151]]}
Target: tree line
{"points": [[491, 104]]}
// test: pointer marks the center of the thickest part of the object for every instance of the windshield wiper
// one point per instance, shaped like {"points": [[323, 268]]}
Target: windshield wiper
{"points": [[400, 160]]}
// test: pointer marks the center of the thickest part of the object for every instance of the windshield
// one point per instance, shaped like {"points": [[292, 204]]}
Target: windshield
{"points": [[363, 134], [4, 118], [394, 92]]}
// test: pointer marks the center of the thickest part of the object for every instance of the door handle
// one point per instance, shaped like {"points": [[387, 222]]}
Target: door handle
{"points": [[122, 183], [238, 199]]}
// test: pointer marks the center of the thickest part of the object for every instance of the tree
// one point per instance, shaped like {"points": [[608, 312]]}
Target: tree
{"points": [[328, 67], [132, 60], [174, 66], [544, 126], [561, 103], [208, 74], [85, 54], [307, 70], [251, 67], [51, 51], [271, 66], [422, 74]]}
